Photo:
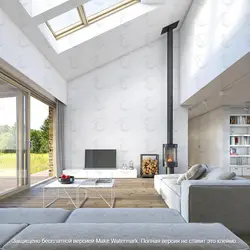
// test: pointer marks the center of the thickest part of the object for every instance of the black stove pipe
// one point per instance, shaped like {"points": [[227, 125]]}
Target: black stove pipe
{"points": [[170, 95]]}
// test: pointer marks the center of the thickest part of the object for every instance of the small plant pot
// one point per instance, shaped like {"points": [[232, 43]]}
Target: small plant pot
{"points": [[66, 181]]}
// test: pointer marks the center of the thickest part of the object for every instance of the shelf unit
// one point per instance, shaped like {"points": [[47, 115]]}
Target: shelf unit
{"points": [[239, 144]]}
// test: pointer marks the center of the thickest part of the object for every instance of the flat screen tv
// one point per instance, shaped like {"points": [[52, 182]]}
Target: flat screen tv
{"points": [[100, 158]]}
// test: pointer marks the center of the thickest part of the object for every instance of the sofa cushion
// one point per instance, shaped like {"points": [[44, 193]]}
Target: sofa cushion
{"points": [[195, 171], [33, 215], [128, 236], [169, 176], [172, 184], [219, 174], [125, 215], [8, 231]]}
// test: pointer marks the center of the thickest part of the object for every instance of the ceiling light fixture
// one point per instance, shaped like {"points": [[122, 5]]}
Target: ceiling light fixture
{"points": [[247, 106], [222, 93]]}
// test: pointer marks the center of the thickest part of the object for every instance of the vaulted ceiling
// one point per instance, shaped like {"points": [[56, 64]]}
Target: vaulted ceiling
{"points": [[99, 43]]}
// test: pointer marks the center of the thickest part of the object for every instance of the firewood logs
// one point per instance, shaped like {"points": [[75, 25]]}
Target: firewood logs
{"points": [[149, 167]]}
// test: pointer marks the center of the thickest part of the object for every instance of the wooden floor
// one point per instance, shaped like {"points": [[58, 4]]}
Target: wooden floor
{"points": [[129, 193]]}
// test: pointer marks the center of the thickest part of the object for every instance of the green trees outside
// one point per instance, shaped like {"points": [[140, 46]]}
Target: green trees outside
{"points": [[8, 138], [39, 138]]}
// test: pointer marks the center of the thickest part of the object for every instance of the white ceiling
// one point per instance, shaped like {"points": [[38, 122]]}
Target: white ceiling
{"points": [[231, 88], [100, 49]]}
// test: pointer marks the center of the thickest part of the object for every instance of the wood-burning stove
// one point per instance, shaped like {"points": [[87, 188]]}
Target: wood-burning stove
{"points": [[170, 155]]}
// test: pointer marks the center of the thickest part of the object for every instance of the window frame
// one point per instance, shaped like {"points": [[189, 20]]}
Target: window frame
{"points": [[85, 21]]}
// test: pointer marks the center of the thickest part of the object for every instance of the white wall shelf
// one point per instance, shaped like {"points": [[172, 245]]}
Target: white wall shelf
{"points": [[240, 166], [239, 125], [239, 134], [237, 156], [239, 144]]}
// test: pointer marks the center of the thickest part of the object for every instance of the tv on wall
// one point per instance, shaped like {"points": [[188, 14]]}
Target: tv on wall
{"points": [[100, 158]]}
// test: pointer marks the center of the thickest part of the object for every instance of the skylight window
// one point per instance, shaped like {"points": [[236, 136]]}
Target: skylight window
{"points": [[82, 16], [95, 6], [65, 21]]}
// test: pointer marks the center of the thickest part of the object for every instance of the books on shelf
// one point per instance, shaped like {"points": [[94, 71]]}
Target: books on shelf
{"points": [[240, 120], [239, 140]]}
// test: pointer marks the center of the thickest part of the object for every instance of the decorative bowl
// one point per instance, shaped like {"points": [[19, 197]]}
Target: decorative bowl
{"points": [[66, 181]]}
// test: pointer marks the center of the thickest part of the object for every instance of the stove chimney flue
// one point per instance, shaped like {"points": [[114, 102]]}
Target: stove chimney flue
{"points": [[170, 149]]}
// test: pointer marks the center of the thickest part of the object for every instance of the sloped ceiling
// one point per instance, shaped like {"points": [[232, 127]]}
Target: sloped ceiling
{"points": [[103, 48]]}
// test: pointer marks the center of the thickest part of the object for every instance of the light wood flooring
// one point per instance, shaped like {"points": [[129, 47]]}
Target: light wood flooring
{"points": [[131, 193]]}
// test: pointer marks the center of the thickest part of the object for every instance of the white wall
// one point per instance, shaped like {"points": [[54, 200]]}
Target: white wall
{"points": [[122, 105], [214, 35], [208, 138], [20, 53]]}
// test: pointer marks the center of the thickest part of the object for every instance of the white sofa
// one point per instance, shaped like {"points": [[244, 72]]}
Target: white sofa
{"points": [[209, 201]]}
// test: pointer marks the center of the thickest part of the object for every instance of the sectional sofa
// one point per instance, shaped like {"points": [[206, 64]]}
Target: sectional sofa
{"points": [[117, 228], [209, 200]]}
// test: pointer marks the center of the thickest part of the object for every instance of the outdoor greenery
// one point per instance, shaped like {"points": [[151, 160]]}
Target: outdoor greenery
{"points": [[38, 162], [40, 138], [39, 158]]}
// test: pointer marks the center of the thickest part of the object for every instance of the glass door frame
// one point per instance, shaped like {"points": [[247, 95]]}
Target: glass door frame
{"points": [[22, 136]]}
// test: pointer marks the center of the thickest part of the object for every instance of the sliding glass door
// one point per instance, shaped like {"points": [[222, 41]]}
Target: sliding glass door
{"points": [[14, 137], [41, 141]]}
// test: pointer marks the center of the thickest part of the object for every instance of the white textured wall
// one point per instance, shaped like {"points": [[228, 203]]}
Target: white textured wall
{"points": [[20, 53], [214, 35], [208, 137], [122, 105]]}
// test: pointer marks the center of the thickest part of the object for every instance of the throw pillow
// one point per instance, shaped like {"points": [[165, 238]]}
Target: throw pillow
{"points": [[220, 174], [181, 178], [195, 171]]}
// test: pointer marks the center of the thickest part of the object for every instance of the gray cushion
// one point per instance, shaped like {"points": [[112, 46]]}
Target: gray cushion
{"points": [[133, 233], [194, 173], [125, 215], [33, 215], [219, 174], [8, 231]]}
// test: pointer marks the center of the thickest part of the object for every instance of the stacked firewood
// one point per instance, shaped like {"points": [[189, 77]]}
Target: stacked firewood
{"points": [[149, 167]]}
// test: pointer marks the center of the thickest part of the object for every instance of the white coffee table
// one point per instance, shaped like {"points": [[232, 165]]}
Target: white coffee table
{"points": [[78, 185], [96, 189], [59, 186]]}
